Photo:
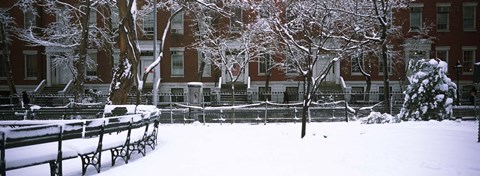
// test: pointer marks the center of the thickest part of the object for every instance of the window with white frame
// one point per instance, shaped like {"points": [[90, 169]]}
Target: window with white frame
{"points": [[416, 16], [148, 24], [92, 20], [207, 68], [30, 64], [442, 53], [468, 59], [236, 18], [264, 64], [469, 14], [290, 63], [115, 20], [91, 69], [177, 61], [443, 12], [177, 21], [355, 65], [29, 19]]}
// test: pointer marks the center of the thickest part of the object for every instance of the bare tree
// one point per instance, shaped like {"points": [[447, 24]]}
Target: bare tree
{"points": [[7, 28], [316, 35], [72, 32]]}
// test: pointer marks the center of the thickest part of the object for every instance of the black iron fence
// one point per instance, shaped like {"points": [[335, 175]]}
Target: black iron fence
{"points": [[223, 98]]}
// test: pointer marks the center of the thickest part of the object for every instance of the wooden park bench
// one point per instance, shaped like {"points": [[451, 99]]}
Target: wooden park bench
{"points": [[65, 113], [103, 135], [465, 112], [52, 141], [43, 143]]}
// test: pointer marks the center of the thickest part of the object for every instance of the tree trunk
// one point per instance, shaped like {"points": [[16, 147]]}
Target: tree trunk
{"points": [[368, 79], [267, 84], [79, 64], [386, 81], [306, 103], [8, 63], [125, 76]]}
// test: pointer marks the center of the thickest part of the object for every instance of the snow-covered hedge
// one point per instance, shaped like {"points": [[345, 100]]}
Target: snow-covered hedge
{"points": [[430, 93], [379, 118]]}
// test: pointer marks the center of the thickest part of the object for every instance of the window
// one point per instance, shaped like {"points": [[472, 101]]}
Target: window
{"points": [[30, 64], [263, 12], [236, 19], [148, 24], [29, 19], [177, 22], [206, 95], [468, 59], [415, 16], [290, 64], [381, 95], [177, 94], [443, 11], [264, 64], [207, 68], [92, 20], [177, 63], [358, 94], [292, 93], [469, 13], [264, 94], [115, 20], [91, 70], [442, 53], [356, 61]]}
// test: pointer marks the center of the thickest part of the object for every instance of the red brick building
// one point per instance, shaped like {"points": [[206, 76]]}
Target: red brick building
{"points": [[454, 28]]}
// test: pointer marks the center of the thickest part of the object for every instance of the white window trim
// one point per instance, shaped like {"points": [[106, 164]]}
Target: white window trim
{"points": [[260, 63], [208, 65], [359, 73], [179, 49], [28, 52], [469, 48], [26, 20], [178, 28], [389, 60], [89, 52], [470, 4], [443, 48], [415, 5], [448, 17]]}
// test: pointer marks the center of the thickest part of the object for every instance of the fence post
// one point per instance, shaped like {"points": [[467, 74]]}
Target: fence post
{"points": [[266, 113], [346, 111]]}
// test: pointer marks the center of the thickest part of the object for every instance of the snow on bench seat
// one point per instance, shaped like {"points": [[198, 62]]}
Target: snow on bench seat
{"points": [[35, 154]]}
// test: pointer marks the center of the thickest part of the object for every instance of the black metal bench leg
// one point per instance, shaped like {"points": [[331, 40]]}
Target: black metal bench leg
{"points": [[55, 168], [93, 160]]}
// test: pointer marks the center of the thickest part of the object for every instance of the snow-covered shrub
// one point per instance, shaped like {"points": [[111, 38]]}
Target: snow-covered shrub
{"points": [[430, 93], [378, 118]]}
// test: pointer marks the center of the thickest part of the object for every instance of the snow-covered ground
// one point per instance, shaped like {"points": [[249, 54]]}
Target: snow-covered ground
{"points": [[433, 148]]}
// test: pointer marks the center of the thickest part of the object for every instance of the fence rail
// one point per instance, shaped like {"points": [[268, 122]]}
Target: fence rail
{"points": [[222, 98]]}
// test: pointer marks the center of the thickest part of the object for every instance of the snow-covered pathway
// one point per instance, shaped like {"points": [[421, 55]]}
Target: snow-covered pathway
{"points": [[409, 148]]}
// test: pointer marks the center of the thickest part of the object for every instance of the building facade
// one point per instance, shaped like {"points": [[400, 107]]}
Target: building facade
{"points": [[454, 38]]}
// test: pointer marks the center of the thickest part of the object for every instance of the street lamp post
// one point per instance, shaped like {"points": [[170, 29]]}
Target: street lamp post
{"points": [[458, 68]]}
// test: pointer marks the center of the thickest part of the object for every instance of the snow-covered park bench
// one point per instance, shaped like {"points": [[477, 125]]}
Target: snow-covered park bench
{"points": [[55, 140], [43, 143], [465, 112], [120, 135], [14, 113], [46, 113]]}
